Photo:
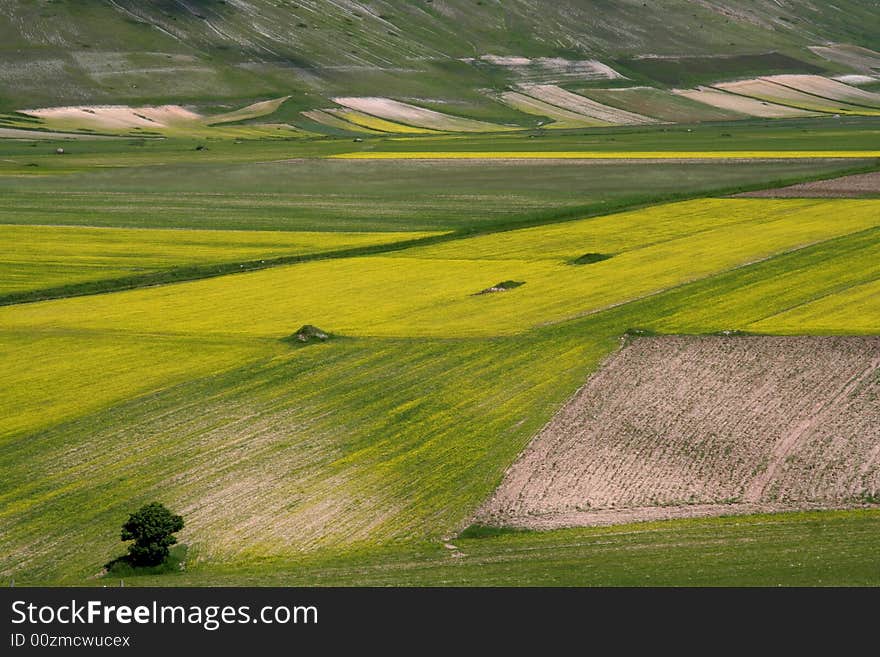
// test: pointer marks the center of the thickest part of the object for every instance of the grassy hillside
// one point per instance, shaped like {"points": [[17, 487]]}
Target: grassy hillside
{"points": [[62, 52]]}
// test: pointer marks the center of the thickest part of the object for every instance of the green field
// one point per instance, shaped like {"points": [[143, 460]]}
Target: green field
{"points": [[355, 461], [782, 550]]}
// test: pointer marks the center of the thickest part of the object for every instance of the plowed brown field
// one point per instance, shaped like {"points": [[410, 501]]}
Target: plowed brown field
{"points": [[687, 426], [856, 186]]}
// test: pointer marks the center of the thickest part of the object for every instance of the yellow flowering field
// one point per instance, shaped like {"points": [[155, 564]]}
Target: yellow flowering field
{"points": [[433, 291], [34, 257]]}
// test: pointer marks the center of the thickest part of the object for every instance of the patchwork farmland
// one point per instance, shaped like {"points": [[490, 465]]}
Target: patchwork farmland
{"points": [[595, 308]]}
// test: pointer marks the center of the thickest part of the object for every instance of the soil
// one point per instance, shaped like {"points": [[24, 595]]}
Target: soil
{"points": [[859, 185], [678, 426], [741, 104]]}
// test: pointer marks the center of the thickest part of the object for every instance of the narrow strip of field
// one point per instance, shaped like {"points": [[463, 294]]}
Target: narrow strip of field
{"points": [[855, 186], [375, 123], [40, 257], [769, 91], [560, 118], [606, 155], [573, 102], [836, 548], [860, 302], [23, 133], [743, 104], [828, 88], [331, 121], [412, 115], [660, 104]]}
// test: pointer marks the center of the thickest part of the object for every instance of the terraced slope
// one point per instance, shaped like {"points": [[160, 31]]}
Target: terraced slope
{"points": [[827, 88], [660, 104], [743, 104], [677, 426], [767, 90]]}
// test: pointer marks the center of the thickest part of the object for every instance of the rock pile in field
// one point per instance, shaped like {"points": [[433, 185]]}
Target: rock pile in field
{"points": [[503, 286], [308, 333]]}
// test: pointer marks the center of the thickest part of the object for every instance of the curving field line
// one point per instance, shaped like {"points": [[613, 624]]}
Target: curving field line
{"points": [[769, 91], [559, 97], [420, 117], [742, 104], [827, 88]]}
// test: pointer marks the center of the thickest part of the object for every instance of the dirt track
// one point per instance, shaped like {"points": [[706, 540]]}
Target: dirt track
{"points": [[693, 426], [859, 185]]}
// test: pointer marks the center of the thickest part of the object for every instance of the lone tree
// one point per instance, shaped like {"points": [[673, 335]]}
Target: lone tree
{"points": [[151, 528]]}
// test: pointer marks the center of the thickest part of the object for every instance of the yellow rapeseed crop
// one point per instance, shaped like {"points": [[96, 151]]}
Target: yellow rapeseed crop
{"points": [[33, 257], [855, 310], [431, 291], [50, 376]]}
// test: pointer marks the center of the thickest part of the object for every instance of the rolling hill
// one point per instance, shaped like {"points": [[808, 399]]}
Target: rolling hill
{"points": [[447, 53]]}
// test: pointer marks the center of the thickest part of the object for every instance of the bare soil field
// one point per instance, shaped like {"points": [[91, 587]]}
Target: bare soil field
{"points": [[578, 104], [770, 90], [857, 186], [828, 88], [115, 116], [393, 110], [688, 426], [742, 104]]}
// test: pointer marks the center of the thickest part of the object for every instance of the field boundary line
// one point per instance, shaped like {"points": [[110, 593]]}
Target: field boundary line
{"points": [[744, 265], [590, 211]]}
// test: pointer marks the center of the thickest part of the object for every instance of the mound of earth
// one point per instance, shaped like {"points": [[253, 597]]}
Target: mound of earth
{"points": [[859, 185], [689, 426], [308, 333], [503, 286]]}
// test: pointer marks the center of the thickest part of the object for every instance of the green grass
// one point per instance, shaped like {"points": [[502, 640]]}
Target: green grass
{"points": [[70, 373], [833, 548], [380, 432]]}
